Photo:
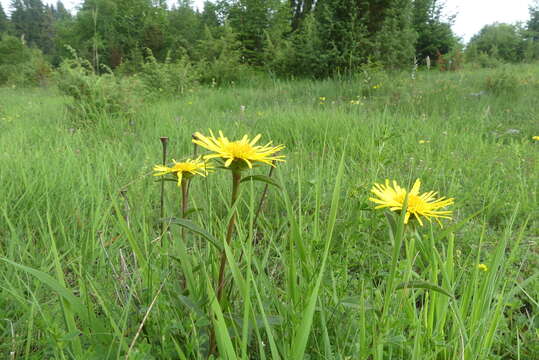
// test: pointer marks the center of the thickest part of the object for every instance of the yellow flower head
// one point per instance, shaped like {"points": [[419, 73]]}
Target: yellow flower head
{"points": [[322, 98], [426, 205], [536, 138], [240, 153], [424, 141], [482, 267], [184, 170]]}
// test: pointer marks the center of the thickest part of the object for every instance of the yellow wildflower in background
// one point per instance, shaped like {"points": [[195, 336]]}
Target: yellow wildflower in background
{"points": [[425, 205], [184, 170], [241, 152], [424, 141], [536, 138], [322, 98], [482, 267]]}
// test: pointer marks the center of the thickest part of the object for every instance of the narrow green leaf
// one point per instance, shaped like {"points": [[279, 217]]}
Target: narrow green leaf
{"points": [[52, 283], [303, 329], [262, 178], [423, 285], [194, 228]]}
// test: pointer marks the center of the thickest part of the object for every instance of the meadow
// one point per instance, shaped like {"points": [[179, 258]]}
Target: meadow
{"points": [[313, 271]]}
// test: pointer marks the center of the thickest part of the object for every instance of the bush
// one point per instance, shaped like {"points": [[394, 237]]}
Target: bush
{"points": [[502, 83], [93, 95], [220, 59], [169, 78], [21, 65]]}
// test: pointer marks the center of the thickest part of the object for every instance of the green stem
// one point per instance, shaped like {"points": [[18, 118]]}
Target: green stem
{"points": [[185, 196], [236, 179], [164, 142]]}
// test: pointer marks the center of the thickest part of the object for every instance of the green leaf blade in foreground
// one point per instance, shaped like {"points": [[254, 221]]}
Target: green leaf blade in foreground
{"points": [[194, 228], [303, 329], [51, 282], [423, 285], [262, 178]]}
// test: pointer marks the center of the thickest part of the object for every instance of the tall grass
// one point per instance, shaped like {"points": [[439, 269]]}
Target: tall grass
{"points": [[319, 275]]}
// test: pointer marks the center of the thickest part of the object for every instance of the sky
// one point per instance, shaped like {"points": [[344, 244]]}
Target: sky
{"points": [[472, 15]]}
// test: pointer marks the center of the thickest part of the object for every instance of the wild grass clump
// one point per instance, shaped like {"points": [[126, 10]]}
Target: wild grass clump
{"points": [[502, 82], [96, 96]]}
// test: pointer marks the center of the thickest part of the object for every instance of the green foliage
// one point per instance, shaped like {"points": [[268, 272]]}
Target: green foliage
{"points": [[20, 65], [503, 42], [4, 22], [394, 42], [166, 78], [502, 82], [219, 58], [533, 22], [434, 34], [96, 96], [33, 21]]}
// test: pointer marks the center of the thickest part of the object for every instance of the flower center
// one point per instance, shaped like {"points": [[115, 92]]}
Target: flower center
{"points": [[238, 149], [414, 201]]}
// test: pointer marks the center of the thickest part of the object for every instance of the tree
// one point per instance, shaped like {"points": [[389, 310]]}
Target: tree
{"points": [[500, 41], [60, 12], [393, 35], [251, 20], [533, 22], [111, 31], [434, 34], [31, 20], [4, 22]]}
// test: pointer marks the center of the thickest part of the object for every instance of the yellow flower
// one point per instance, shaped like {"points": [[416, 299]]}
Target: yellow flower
{"points": [[536, 138], [239, 152], [322, 98], [185, 169], [482, 267], [424, 141], [426, 205]]}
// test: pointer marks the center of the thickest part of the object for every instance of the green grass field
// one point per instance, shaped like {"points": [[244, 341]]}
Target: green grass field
{"points": [[320, 274]]}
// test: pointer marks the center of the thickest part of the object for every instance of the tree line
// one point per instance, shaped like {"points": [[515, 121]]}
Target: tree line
{"points": [[312, 38]]}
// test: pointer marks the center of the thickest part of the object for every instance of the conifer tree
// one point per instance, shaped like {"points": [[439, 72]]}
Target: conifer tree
{"points": [[533, 22], [4, 22], [31, 21], [434, 32]]}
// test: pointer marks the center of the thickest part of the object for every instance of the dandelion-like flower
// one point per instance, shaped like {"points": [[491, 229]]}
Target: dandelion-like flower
{"points": [[536, 138], [482, 267], [239, 153], [184, 170], [392, 196]]}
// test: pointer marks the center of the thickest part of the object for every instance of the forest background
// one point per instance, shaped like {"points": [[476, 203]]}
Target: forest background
{"points": [[230, 40]]}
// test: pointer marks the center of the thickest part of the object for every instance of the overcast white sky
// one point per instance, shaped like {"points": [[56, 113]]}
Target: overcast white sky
{"points": [[472, 15]]}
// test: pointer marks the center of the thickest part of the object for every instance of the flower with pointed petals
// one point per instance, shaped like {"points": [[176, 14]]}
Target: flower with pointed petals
{"points": [[184, 170], [239, 153], [392, 196]]}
